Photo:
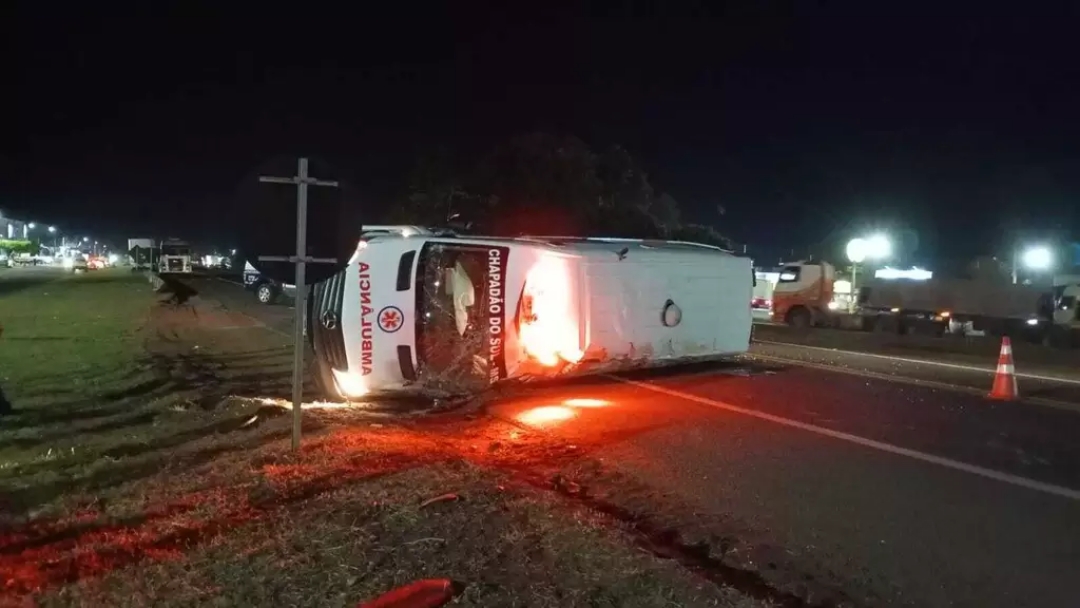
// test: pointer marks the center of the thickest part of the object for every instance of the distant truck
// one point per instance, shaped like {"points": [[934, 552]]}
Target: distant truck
{"points": [[175, 257], [142, 253], [804, 297], [1065, 330]]}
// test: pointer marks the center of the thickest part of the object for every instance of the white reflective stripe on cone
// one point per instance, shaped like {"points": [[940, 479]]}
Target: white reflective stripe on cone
{"points": [[1005, 368]]}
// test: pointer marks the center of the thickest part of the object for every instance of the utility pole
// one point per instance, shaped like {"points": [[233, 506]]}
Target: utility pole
{"points": [[302, 181]]}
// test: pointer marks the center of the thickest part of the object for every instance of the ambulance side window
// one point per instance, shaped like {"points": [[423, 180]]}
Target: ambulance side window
{"points": [[790, 274], [404, 271]]}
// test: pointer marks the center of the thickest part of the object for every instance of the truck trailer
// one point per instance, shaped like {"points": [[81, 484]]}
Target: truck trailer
{"points": [[805, 297]]}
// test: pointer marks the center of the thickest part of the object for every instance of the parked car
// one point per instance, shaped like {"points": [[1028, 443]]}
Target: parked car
{"points": [[267, 290]]}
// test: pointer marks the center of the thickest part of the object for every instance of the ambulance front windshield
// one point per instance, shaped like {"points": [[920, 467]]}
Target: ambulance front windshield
{"points": [[450, 342]]}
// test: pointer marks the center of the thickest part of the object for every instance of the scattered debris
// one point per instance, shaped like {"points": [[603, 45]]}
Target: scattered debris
{"points": [[567, 486], [428, 593], [444, 498], [429, 539]]}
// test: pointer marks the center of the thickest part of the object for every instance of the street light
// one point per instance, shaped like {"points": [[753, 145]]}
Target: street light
{"points": [[31, 225], [52, 229], [1038, 257], [877, 247], [86, 239], [856, 250]]}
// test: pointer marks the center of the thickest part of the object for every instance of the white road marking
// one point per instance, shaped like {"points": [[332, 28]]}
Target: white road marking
{"points": [[959, 388], [956, 366], [956, 465]]}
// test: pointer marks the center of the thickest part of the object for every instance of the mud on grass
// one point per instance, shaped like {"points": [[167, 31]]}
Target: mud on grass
{"points": [[159, 396]]}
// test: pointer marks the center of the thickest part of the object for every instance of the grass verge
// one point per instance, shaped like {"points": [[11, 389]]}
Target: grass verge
{"points": [[69, 338], [509, 548]]}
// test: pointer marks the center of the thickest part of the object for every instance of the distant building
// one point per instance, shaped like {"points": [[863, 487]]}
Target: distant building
{"points": [[13, 229]]}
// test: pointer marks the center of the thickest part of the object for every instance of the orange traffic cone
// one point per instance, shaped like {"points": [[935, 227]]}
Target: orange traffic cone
{"points": [[1005, 378]]}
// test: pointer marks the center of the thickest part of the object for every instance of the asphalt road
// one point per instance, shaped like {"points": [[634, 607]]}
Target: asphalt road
{"points": [[892, 479], [1039, 383], [230, 292]]}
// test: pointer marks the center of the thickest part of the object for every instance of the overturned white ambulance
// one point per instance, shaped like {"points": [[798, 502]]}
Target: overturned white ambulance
{"points": [[416, 311]]}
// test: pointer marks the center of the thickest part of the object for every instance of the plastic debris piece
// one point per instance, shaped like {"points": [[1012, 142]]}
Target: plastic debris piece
{"points": [[443, 498], [427, 593]]}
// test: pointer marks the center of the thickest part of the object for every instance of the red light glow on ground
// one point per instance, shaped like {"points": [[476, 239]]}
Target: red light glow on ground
{"points": [[584, 402], [545, 415], [87, 544]]}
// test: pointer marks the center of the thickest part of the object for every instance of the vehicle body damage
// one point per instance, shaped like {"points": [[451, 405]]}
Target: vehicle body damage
{"points": [[421, 312]]}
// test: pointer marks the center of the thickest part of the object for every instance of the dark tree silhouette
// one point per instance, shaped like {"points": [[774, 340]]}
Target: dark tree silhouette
{"points": [[540, 183]]}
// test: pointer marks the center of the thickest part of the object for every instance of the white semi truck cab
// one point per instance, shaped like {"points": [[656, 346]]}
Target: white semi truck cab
{"points": [[175, 257]]}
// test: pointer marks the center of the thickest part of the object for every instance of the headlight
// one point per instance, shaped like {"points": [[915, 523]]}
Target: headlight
{"points": [[69, 263], [350, 384]]}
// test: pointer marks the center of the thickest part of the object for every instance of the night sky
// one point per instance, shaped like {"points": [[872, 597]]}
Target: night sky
{"points": [[949, 131]]}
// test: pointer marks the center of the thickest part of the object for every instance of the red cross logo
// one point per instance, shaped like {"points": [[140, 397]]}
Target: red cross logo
{"points": [[390, 319]]}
